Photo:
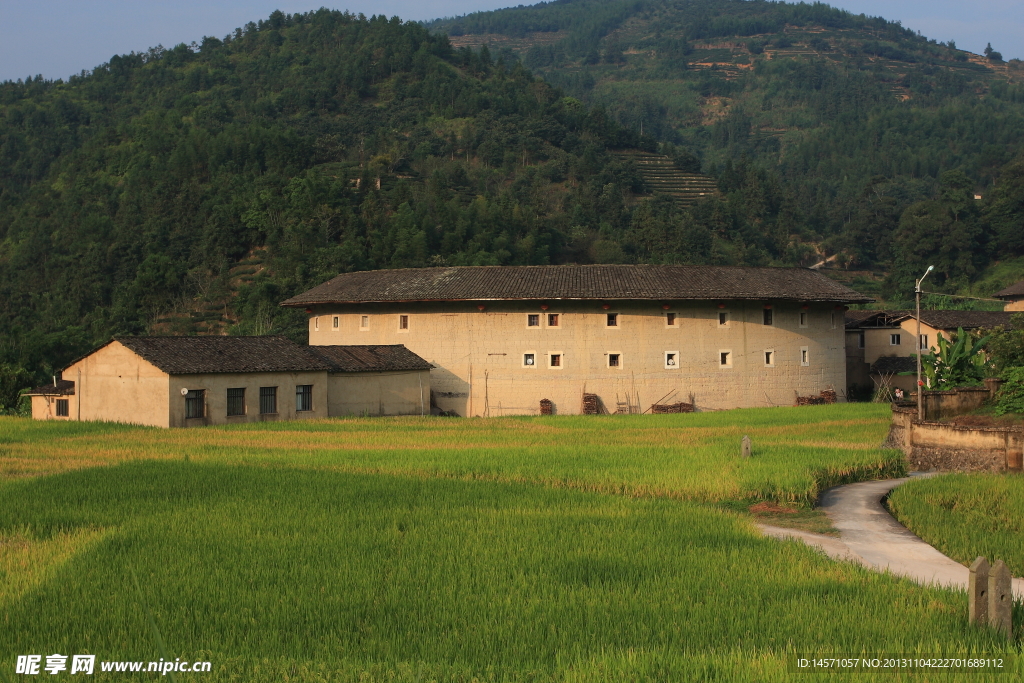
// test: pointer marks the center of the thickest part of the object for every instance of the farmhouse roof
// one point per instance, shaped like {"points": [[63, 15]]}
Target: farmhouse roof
{"points": [[62, 387], [969, 320], [215, 354], [892, 365], [483, 283], [1011, 291], [370, 358]]}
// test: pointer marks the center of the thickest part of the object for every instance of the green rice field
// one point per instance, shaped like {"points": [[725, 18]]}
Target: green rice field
{"points": [[967, 515], [527, 549]]}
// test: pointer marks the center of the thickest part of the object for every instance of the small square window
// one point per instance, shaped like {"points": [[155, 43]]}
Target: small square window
{"points": [[236, 402], [803, 319], [725, 359], [403, 322], [723, 318], [613, 320], [768, 316], [614, 360], [894, 340], [303, 397], [529, 360], [556, 360], [533, 320], [552, 320], [62, 407], [769, 358], [670, 319], [672, 359], [364, 322], [336, 322], [804, 356]]}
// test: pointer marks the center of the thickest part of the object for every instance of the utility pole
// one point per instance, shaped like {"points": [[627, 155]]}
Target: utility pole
{"points": [[920, 384]]}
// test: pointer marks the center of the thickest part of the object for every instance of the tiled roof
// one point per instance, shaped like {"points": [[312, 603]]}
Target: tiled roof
{"points": [[857, 319], [62, 388], [969, 320], [1012, 291], [201, 355], [894, 365], [370, 358], [483, 283]]}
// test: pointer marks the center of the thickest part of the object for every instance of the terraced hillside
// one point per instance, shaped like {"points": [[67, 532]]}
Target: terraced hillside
{"points": [[663, 177]]}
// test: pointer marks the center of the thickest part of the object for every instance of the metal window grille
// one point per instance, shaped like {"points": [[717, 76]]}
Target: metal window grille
{"points": [[613, 360], [304, 397], [236, 402], [195, 405], [62, 407], [268, 400]]}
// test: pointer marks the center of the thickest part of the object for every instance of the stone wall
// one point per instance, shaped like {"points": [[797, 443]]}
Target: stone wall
{"points": [[945, 447]]}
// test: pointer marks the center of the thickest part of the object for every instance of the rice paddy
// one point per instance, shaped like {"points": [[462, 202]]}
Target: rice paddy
{"points": [[967, 515], [534, 549]]}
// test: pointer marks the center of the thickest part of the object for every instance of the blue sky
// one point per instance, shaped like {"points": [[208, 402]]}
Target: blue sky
{"points": [[57, 38]]}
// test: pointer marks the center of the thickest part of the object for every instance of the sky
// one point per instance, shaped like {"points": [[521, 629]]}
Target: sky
{"points": [[58, 38]]}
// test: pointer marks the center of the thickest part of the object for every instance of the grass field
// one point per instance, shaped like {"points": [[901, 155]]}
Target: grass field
{"points": [[450, 550], [797, 451], [967, 515]]}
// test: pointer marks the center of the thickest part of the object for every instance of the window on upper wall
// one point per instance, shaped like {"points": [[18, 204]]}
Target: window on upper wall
{"points": [[553, 320], [723, 318], [195, 404], [803, 318], [529, 360], [768, 316], [62, 407], [860, 339], [670, 319], [613, 320], [556, 360], [805, 358], [303, 397], [268, 400], [894, 340], [533, 320], [403, 322], [614, 360], [725, 359], [336, 322], [236, 402], [316, 322], [769, 358], [671, 360], [364, 322]]}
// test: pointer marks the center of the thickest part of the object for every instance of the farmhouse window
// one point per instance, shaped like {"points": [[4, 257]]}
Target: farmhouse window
{"points": [[62, 407], [723, 318], [364, 322], [768, 316], [236, 402], [670, 319], [894, 340], [769, 358], [556, 360], [268, 400], [336, 322], [614, 360], [403, 322], [529, 359], [923, 342], [303, 397], [552, 320], [195, 405], [533, 320], [613, 320], [804, 357]]}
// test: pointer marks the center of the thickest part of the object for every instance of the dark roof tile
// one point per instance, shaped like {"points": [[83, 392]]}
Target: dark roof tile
{"points": [[63, 387], [483, 283], [370, 358], [1012, 291], [214, 354]]}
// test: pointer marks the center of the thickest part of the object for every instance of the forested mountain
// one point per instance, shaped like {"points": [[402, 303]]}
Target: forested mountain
{"points": [[191, 189]]}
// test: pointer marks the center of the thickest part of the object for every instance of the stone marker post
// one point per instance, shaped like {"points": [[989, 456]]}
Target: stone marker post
{"points": [[977, 592], [1000, 600], [745, 447]]}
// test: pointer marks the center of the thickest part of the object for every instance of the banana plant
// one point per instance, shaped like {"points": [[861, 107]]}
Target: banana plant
{"points": [[956, 364]]}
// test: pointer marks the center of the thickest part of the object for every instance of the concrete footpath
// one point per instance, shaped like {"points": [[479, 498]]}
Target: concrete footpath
{"points": [[869, 535]]}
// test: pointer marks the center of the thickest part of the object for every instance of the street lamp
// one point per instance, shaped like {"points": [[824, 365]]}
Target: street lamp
{"points": [[920, 384]]}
